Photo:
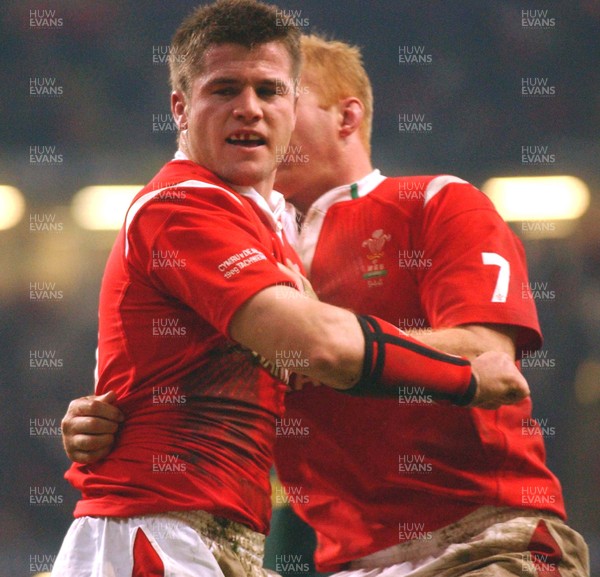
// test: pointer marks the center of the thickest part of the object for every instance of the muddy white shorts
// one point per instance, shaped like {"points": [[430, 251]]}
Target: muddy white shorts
{"points": [[488, 543], [175, 544]]}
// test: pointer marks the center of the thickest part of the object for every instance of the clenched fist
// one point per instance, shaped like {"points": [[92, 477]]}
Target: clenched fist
{"points": [[499, 382]]}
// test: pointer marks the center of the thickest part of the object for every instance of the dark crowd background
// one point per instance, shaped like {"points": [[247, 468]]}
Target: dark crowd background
{"points": [[102, 126]]}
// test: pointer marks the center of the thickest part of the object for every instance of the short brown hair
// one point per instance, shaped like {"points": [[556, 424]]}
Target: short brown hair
{"points": [[249, 23], [338, 72]]}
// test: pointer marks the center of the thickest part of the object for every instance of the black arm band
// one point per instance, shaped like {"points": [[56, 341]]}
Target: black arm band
{"points": [[393, 359]]}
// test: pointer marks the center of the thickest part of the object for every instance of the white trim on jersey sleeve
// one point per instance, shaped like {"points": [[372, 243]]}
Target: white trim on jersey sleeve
{"points": [[438, 183], [142, 200], [96, 367]]}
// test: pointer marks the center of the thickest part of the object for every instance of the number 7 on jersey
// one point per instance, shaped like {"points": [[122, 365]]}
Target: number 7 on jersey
{"points": [[501, 289]]}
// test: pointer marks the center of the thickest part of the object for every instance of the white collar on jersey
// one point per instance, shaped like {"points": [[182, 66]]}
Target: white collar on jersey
{"points": [[273, 208], [305, 241], [363, 187]]}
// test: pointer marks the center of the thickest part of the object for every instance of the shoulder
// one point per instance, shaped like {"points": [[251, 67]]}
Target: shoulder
{"points": [[170, 201], [161, 200], [187, 183], [449, 196], [427, 187], [417, 193]]}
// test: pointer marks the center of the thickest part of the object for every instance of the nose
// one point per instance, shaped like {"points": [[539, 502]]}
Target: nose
{"points": [[248, 105]]}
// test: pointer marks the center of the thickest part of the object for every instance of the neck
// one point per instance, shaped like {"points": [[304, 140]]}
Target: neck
{"points": [[350, 166], [264, 189]]}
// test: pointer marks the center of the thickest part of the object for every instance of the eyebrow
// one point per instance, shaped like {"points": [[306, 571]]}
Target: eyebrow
{"points": [[236, 81]]}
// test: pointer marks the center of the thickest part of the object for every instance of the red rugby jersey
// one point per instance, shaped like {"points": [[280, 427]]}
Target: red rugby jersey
{"points": [[369, 473], [200, 411]]}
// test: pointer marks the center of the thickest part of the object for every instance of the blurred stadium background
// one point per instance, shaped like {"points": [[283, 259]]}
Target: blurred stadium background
{"points": [[85, 102]]}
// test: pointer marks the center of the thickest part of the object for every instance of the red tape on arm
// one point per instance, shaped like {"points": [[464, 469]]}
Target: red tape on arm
{"points": [[393, 359]]}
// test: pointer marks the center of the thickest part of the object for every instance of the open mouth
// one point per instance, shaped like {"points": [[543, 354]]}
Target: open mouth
{"points": [[246, 140]]}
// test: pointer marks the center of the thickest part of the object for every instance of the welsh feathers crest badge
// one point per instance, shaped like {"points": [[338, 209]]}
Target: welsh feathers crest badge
{"points": [[375, 245]]}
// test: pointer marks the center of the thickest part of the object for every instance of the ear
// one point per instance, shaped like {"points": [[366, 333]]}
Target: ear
{"points": [[352, 113], [179, 109]]}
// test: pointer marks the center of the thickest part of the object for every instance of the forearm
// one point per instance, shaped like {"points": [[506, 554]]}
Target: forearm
{"points": [[393, 358], [470, 341], [341, 350]]}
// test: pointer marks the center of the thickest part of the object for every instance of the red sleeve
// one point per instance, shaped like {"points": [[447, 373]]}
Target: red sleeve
{"points": [[478, 271], [210, 252]]}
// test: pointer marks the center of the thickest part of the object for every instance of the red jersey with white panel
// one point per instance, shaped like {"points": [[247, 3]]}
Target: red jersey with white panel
{"points": [[200, 410], [366, 473]]}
